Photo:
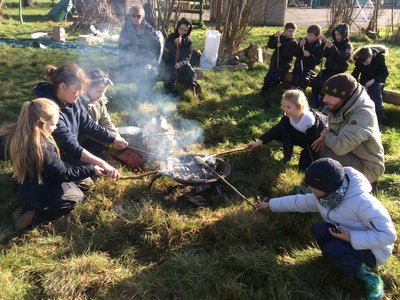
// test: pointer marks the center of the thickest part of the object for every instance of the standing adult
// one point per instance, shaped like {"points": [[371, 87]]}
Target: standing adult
{"points": [[139, 50], [353, 137]]}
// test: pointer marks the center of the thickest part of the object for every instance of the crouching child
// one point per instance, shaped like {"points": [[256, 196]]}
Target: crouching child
{"points": [[357, 234]]}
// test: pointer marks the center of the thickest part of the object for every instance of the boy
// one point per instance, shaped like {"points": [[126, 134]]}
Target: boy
{"points": [[358, 233], [337, 53], [309, 55], [285, 48]]}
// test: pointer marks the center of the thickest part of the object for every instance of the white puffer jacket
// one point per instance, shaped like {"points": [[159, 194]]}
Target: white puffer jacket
{"points": [[360, 213]]}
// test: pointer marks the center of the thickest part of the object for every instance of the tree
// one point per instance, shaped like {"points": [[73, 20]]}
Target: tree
{"points": [[341, 12]]}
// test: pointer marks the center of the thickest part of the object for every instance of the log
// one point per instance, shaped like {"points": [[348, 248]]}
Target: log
{"points": [[392, 97]]}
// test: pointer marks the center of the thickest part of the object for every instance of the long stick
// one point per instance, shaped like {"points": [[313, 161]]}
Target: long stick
{"points": [[277, 53], [138, 176], [232, 151], [227, 183]]}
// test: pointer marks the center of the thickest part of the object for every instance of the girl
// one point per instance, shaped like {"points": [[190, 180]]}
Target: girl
{"points": [[94, 100], [299, 126], [42, 177], [372, 69], [67, 83]]}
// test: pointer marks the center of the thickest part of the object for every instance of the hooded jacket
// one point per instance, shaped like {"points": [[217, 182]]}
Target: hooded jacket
{"points": [[184, 50], [377, 69], [137, 49], [74, 119], [360, 213], [354, 129], [338, 56]]}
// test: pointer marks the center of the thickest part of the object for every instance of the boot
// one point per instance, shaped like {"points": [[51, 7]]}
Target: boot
{"points": [[372, 282], [22, 219]]}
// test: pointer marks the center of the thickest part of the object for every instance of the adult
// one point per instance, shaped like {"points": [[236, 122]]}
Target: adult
{"points": [[371, 71], [139, 50], [67, 83], [353, 137], [176, 58]]}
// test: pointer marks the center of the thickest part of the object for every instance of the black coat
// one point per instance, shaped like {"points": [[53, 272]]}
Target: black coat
{"points": [[309, 63], [287, 50], [302, 139], [338, 56], [377, 69], [37, 195], [74, 120]]}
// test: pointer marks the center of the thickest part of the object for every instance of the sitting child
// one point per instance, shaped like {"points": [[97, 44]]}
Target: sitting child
{"points": [[358, 233], [372, 69], [299, 126], [45, 190], [94, 100]]}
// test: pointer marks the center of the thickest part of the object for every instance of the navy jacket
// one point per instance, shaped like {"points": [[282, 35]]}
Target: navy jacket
{"points": [[377, 69], [74, 119], [35, 195], [337, 57], [309, 63], [287, 50]]}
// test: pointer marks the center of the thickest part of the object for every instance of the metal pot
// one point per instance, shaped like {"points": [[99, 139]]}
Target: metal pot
{"points": [[132, 134]]}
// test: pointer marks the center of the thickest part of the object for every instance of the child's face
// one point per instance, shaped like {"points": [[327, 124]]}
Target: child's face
{"points": [[290, 109], [68, 94], [338, 36], [51, 125], [318, 193], [368, 61], [183, 29], [290, 33], [98, 91], [311, 37]]}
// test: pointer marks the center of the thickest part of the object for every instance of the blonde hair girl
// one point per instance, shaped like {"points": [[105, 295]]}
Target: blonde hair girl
{"points": [[36, 164], [299, 126]]}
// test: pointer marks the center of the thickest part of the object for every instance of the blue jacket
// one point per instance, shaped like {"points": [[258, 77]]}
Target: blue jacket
{"points": [[34, 195], [74, 120]]}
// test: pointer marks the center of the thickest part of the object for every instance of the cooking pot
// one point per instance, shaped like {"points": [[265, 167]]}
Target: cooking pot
{"points": [[132, 134]]}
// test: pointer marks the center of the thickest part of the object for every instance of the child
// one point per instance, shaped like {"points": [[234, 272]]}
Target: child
{"points": [[370, 64], [285, 48], [308, 57], [358, 233], [67, 83], [176, 57], [337, 53], [94, 100], [42, 177], [299, 126]]}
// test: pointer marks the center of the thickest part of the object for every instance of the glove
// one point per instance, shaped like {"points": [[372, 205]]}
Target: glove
{"points": [[131, 158]]}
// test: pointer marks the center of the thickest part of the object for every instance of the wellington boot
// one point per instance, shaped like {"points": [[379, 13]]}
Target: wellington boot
{"points": [[372, 282], [23, 220]]}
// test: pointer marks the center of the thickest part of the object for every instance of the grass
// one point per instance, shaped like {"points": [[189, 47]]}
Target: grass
{"points": [[125, 242]]}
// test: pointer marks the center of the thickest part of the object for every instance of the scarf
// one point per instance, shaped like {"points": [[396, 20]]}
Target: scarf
{"points": [[333, 199]]}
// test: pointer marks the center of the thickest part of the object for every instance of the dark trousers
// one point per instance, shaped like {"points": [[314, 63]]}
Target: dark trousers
{"points": [[307, 155], [185, 76], [341, 253], [375, 93], [301, 79], [272, 79]]}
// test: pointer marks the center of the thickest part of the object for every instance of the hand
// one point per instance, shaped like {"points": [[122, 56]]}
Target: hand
{"points": [[98, 170], [278, 33], [323, 38], [278, 44], [329, 44], [110, 170], [319, 143], [302, 43], [340, 233], [255, 144], [178, 65], [306, 53], [262, 206], [178, 40], [119, 143], [369, 83]]}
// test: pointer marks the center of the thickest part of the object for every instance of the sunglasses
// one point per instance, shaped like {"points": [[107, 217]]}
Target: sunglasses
{"points": [[136, 16]]}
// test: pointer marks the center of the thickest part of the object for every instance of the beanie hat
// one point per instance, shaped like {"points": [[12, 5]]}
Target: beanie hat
{"points": [[340, 85], [343, 28], [325, 174]]}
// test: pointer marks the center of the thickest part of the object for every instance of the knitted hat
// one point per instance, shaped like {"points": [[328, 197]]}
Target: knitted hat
{"points": [[340, 85], [324, 174]]}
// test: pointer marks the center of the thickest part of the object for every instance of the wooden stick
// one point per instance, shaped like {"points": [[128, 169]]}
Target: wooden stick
{"points": [[232, 151], [139, 176], [226, 182]]}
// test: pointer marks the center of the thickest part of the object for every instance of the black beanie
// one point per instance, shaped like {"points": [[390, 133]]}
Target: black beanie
{"points": [[340, 85], [324, 174]]}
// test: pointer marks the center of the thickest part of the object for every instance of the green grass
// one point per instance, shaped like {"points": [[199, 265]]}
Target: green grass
{"points": [[125, 242]]}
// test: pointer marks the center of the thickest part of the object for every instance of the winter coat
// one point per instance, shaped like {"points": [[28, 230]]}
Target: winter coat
{"points": [[360, 213], [74, 120], [286, 51], [309, 63], [54, 174], [284, 126], [338, 56], [184, 49], [377, 69], [354, 129], [137, 49]]}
